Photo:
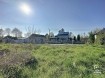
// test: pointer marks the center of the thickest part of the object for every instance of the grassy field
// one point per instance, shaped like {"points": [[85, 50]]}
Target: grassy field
{"points": [[52, 61]]}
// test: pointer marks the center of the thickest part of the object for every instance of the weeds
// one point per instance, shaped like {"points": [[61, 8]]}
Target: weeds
{"points": [[48, 61]]}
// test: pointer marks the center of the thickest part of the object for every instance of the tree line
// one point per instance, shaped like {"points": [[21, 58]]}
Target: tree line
{"points": [[7, 31], [15, 32]]}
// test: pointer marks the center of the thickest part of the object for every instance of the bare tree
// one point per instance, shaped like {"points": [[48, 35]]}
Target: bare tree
{"points": [[96, 30], [31, 30], [51, 34], [20, 34], [7, 31], [16, 32], [38, 31], [27, 34], [47, 37]]}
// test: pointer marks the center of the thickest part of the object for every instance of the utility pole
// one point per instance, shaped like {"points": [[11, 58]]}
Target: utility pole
{"points": [[49, 32]]}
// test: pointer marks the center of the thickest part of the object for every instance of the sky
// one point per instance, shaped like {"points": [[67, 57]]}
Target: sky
{"points": [[77, 16]]}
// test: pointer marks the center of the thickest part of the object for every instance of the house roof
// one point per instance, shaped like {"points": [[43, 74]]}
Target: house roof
{"points": [[36, 35], [10, 37], [63, 34]]}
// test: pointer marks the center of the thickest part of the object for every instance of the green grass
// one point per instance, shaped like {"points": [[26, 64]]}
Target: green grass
{"points": [[53, 61]]}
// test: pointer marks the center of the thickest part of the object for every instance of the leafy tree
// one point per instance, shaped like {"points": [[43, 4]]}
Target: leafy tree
{"points": [[91, 38], [95, 31], [100, 37], [78, 37], [74, 38]]}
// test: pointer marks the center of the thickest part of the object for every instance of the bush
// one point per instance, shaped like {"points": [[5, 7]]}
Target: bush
{"points": [[12, 72], [31, 63], [4, 51]]}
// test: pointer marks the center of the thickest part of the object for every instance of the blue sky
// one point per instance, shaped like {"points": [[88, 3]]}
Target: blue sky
{"points": [[77, 16]]}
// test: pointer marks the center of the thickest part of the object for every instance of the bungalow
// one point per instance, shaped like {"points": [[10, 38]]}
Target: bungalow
{"points": [[20, 40], [9, 39], [36, 38]]}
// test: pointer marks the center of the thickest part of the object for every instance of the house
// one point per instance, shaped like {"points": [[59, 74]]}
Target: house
{"points": [[35, 38], [54, 40], [20, 40], [9, 39], [61, 37]]}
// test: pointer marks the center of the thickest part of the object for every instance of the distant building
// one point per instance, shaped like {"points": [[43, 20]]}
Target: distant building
{"points": [[20, 40], [36, 38], [61, 37], [9, 39]]}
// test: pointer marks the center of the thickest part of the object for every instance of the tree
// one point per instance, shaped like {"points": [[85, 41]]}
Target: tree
{"points": [[51, 34], [1, 32], [78, 37], [91, 38], [8, 31], [38, 31], [16, 32], [20, 34], [47, 37], [70, 35], [27, 34], [74, 38], [100, 37], [95, 31], [31, 30]]}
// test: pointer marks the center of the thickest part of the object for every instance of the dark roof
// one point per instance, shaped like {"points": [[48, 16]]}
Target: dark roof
{"points": [[10, 37], [63, 34], [36, 35]]}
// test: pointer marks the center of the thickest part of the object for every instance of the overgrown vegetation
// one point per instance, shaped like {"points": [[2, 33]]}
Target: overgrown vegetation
{"points": [[100, 38], [14, 58], [52, 61], [91, 38]]}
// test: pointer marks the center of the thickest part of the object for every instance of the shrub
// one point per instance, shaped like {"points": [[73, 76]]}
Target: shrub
{"points": [[12, 72], [31, 63], [4, 51]]}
